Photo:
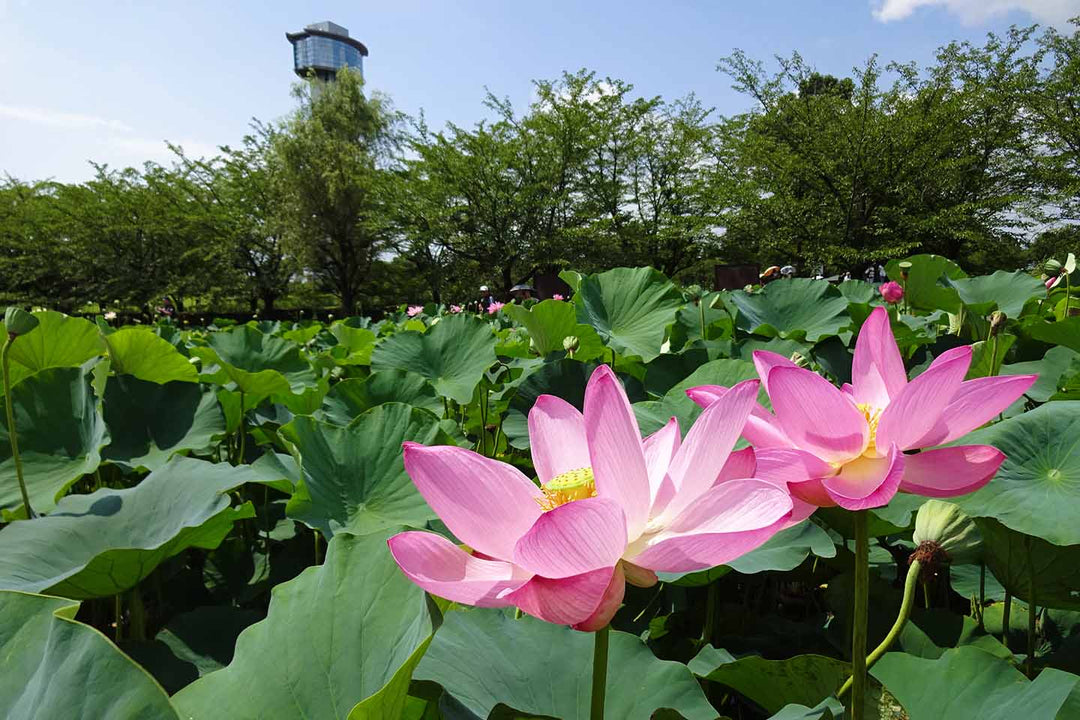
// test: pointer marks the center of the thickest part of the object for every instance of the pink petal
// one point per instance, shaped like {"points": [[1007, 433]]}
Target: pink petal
{"points": [[740, 464], [696, 465], [564, 601], [637, 575], [950, 471], [780, 466], [487, 504], [609, 603], [556, 437], [726, 522], [976, 402], [615, 450], [765, 361], [816, 416], [877, 371], [811, 492], [919, 406], [442, 568], [659, 448], [574, 538], [761, 429], [867, 482]]}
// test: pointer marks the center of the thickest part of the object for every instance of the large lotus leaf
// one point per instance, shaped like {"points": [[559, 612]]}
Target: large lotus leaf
{"points": [[797, 309], [355, 344], [1018, 560], [105, 542], [149, 423], [1057, 367], [565, 379], [453, 354], [60, 432], [247, 356], [1004, 291], [675, 403], [629, 308], [339, 641], [967, 683], [54, 667], [484, 658], [929, 284], [550, 322], [348, 398], [139, 352], [57, 341], [859, 292], [772, 684], [1063, 332], [827, 709], [1037, 489], [354, 477]]}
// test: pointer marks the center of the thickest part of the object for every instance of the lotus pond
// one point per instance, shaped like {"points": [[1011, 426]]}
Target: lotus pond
{"points": [[640, 502]]}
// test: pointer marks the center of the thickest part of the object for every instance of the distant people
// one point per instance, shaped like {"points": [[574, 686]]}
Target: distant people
{"points": [[521, 293], [771, 273], [486, 299], [167, 310]]}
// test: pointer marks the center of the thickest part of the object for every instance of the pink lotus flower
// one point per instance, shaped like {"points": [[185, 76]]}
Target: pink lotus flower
{"points": [[847, 446], [455, 309], [611, 508], [414, 310], [892, 292], [495, 307], [557, 296]]}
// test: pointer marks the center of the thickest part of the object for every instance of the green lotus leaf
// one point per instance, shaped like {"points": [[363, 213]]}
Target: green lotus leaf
{"points": [[795, 309], [61, 434], [100, 544], [1004, 291], [929, 284], [484, 658], [453, 354], [629, 308], [58, 341], [675, 403], [1037, 489], [354, 477], [149, 423], [550, 322], [967, 683], [348, 398], [1024, 564], [139, 352], [54, 667], [1063, 332], [255, 361], [339, 641]]}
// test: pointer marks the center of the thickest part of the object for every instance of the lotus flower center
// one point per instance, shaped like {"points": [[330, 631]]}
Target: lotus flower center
{"points": [[567, 487], [872, 415]]}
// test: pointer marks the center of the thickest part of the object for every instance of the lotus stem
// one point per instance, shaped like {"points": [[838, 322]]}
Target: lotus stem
{"points": [[599, 672], [1032, 615], [1068, 296], [710, 614], [1005, 619], [858, 633], [701, 314], [12, 434], [901, 619], [982, 595]]}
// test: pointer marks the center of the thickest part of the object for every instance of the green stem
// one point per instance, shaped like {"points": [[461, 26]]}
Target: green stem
{"points": [[599, 672], [612, 359], [1032, 616], [982, 595], [12, 435], [1068, 295], [118, 612], [926, 595], [701, 313], [710, 614], [993, 355], [858, 633], [1005, 619], [898, 626], [317, 559], [240, 459]]}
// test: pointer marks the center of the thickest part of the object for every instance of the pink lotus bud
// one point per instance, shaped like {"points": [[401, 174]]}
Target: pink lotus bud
{"points": [[455, 309], [415, 310], [557, 296], [892, 292]]}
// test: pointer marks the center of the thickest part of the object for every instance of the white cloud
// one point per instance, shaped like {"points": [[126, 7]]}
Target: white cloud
{"points": [[1052, 12], [61, 120]]}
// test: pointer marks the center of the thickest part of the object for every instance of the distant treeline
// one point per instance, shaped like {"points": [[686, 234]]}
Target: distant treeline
{"points": [[349, 202]]}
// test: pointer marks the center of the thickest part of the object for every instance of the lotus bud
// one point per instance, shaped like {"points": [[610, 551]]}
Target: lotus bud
{"points": [[18, 322], [905, 268], [945, 534], [1052, 267], [997, 321], [800, 360], [571, 343]]}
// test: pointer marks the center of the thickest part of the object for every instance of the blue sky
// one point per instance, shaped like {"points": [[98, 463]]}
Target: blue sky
{"points": [[110, 80]]}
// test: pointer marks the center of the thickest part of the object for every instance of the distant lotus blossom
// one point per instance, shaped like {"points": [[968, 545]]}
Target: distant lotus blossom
{"points": [[848, 446], [611, 508], [557, 296], [495, 307], [110, 315], [415, 310], [455, 309], [892, 292]]}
